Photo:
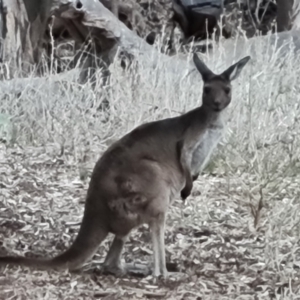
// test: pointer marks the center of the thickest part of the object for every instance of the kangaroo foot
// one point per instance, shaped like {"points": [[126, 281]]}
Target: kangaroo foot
{"points": [[139, 270], [118, 271]]}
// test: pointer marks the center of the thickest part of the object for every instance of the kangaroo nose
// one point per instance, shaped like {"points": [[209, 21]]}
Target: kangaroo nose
{"points": [[218, 101], [217, 104]]}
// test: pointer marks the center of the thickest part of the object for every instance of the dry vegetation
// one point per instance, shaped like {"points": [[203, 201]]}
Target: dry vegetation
{"points": [[236, 237]]}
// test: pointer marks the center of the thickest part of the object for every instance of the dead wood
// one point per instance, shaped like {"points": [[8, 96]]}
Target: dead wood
{"points": [[93, 25]]}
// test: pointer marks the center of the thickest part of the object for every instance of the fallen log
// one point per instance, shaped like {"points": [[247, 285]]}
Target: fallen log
{"points": [[91, 22]]}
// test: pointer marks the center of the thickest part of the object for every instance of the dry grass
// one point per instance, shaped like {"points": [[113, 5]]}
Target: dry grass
{"points": [[237, 236]]}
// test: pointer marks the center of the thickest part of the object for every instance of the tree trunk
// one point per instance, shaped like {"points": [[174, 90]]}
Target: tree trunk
{"points": [[284, 15], [23, 23], [91, 24]]}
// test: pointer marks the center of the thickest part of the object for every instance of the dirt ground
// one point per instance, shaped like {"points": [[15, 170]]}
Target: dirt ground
{"points": [[210, 238]]}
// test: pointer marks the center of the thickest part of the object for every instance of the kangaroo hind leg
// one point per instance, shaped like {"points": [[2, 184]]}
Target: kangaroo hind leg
{"points": [[157, 231], [113, 262]]}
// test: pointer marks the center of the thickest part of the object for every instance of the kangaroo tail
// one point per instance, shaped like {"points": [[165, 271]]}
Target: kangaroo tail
{"points": [[92, 232]]}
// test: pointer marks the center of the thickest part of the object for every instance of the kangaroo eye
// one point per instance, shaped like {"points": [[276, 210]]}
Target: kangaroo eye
{"points": [[227, 90], [207, 89]]}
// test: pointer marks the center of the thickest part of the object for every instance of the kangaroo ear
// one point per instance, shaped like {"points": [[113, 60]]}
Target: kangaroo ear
{"points": [[180, 14], [205, 72], [234, 71]]}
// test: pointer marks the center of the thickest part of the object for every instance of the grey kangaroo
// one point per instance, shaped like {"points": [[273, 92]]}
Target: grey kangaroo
{"points": [[137, 178]]}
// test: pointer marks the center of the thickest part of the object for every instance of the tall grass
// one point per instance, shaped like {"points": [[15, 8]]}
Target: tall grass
{"points": [[258, 158]]}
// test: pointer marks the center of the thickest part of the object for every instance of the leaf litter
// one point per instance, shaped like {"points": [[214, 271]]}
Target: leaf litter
{"points": [[209, 238], [235, 237]]}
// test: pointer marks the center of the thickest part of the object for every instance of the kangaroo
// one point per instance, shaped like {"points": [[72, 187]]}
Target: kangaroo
{"points": [[138, 177]]}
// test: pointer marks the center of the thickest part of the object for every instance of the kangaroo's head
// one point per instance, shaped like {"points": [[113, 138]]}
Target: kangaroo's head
{"points": [[217, 88]]}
